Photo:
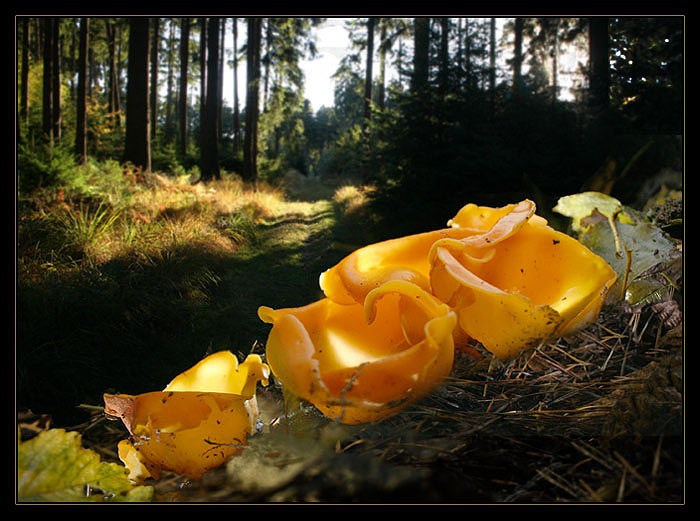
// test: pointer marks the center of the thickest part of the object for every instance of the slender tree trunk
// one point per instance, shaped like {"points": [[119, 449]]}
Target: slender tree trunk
{"points": [[117, 79], [202, 79], [250, 145], [555, 61], [367, 118], [81, 98], [220, 86], [382, 64], [268, 61], [24, 81], [444, 56], [599, 65], [368, 73], [73, 45], [56, 81], [137, 146], [492, 58], [236, 111], [182, 99], [154, 77], [518, 57], [420, 53], [468, 77], [209, 155], [169, 130], [47, 87]]}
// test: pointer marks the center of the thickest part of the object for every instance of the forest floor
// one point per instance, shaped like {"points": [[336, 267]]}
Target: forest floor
{"points": [[596, 417]]}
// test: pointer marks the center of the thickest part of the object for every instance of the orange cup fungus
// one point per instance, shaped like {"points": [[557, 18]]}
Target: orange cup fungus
{"points": [[508, 279], [536, 282], [362, 362], [196, 423]]}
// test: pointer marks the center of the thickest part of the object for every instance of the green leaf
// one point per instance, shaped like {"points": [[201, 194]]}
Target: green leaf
{"points": [[651, 250], [580, 206], [54, 467]]}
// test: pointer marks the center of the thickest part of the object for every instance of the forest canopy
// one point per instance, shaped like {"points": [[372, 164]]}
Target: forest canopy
{"points": [[418, 103]]}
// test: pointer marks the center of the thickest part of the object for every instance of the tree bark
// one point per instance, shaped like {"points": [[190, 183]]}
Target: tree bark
{"points": [[169, 127], [250, 145], [81, 98], [599, 65], [154, 77], [492, 58], [209, 154], [518, 57], [420, 54], [47, 86], [137, 146], [382, 64], [368, 73], [236, 111], [56, 73], [182, 100], [444, 55], [220, 86], [24, 81], [202, 78]]}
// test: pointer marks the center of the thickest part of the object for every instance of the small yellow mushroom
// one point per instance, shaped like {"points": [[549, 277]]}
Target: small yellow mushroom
{"points": [[201, 419], [535, 283], [362, 362]]}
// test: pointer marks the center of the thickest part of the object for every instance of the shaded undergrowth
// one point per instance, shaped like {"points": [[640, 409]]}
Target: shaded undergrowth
{"points": [[124, 296]]}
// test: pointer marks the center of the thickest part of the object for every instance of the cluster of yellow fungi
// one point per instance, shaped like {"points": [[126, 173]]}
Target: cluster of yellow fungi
{"points": [[393, 314]]}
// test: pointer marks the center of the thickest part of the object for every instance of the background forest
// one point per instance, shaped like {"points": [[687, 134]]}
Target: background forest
{"points": [[154, 215]]}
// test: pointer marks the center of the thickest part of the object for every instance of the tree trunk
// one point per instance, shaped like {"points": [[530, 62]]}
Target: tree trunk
{"points": [[209, 154], [56, 79], [137, 146], [81, 98], [555, 61], [518, 57], [220, 87], [117, 79], [169, 130], [182, 99], [236, 112], [154, 77], [47, 91], [202, 78], [599, 65], [492, 58], [268, 62], [420, 54], [24, 82], [444, 56], [382, 64], [368, 73], [250, 145]]}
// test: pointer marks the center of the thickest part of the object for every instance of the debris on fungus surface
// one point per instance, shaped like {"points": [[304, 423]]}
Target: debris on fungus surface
{"points": [[362, 362], [500, 276], [537, 283], [196, 423]]}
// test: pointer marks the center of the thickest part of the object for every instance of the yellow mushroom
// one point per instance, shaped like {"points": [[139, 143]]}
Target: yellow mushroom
{"points": [[362, 362], [535, 283], [201, 419]]}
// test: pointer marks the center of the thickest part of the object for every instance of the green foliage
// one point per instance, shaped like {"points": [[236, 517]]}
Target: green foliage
{"points": [[54, 467], [43, 165]]}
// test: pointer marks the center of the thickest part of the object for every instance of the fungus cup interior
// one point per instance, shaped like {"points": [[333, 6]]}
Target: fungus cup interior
{"points": [[359, 363], [201, 418], [537, 282]]}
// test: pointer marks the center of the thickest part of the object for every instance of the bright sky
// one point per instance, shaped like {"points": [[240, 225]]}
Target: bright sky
{"points": [[332, 44]]}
